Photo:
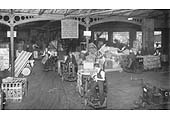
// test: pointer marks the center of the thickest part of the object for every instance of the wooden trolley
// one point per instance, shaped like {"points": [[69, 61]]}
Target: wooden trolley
{"points": [[93, 92], [68, 72]]}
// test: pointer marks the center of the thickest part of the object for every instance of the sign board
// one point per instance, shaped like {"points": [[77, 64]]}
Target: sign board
{"points": [[87, 33], [4, 58], [69, 29], [9, 34]]}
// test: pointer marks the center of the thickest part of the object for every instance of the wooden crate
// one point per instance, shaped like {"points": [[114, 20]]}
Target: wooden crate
{"points": [[14, 89]]}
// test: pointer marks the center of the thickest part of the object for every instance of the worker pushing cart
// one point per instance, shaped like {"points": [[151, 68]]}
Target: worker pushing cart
{"points": [[69, 68], [46, 58]]}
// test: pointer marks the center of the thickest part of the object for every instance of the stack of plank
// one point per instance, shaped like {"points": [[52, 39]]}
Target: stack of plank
{"points": [[21, 61]]}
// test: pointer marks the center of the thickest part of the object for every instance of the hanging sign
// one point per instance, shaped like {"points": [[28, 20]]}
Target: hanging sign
{"points": [[9, 34], [87, 33], [69, 28]]}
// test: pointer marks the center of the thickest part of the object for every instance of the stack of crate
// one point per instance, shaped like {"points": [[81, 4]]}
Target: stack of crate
{"points": [[14, 88]]}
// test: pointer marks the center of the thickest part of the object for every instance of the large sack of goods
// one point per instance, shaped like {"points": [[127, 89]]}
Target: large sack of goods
{"points": [[112, 58], [111, 50], [108, 54], [151, 62], [104, 48], [114, 50], [90, 58], [126, 52], [124, 61], [112, 65]]}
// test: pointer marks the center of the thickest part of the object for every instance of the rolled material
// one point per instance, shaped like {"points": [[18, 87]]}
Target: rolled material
{"points": [[27, 70]]}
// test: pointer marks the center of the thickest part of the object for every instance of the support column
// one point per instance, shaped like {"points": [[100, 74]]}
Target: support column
{"points": [[87, 38], [132, 37], [148, 36], [87, 20], [92, 35], [48, 35], [12, 49], [110, 37], [165, 41], [165, 38]]}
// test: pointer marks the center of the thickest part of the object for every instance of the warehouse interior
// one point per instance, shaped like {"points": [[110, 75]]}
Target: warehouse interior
{"points": [[144, 31]]}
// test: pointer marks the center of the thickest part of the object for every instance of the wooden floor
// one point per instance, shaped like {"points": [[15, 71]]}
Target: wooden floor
{"points": [[48, 92]]}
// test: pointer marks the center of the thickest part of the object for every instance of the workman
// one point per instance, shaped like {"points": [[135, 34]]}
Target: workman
{"points": [[71, 59], [132, 58], [47, 55], [61, 54], [100, 44]]}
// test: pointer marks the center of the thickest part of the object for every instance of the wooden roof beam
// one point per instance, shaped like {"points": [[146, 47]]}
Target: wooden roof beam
{"points": [[144, 12], [70, 11], [122, 11], [41, 11], [93, 13]]}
